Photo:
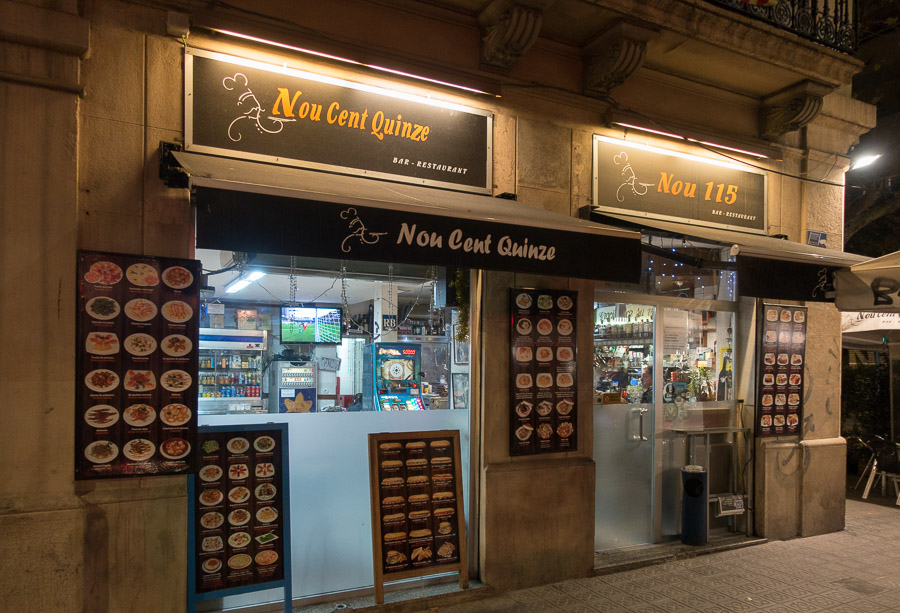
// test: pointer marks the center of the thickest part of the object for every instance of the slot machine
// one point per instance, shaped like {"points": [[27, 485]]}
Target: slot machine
{"points": [[396, 377]]}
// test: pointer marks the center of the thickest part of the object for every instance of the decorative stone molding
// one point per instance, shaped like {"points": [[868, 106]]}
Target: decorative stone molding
{"points": [[40, 47], [613, 55], [792, 108], [508, 30]]}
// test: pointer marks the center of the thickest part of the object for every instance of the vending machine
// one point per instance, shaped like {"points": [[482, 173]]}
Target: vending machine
{"points": [[294, 386], [396, 377]]}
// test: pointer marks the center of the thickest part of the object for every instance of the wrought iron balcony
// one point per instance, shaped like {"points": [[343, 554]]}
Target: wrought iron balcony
{"points": [[833, 24]]}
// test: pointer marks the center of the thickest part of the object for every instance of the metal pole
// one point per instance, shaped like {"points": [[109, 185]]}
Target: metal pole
{"points": [[891, 386]]}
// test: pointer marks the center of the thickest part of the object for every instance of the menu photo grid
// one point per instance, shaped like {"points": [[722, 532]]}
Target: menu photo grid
{"points": [[418, 523], [239, 509], [543, 381], [136, 368], [782, 353]]}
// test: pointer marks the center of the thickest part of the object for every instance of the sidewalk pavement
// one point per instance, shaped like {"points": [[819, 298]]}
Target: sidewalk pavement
{"points": [[856, 570]]}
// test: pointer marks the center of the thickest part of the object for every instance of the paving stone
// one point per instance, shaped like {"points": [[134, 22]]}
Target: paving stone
{"points": [[857, 570]]}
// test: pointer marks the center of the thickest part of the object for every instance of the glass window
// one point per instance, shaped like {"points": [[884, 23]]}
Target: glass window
{"points": [[682, 269], [623, 353], [697, 357], [283, 334]]}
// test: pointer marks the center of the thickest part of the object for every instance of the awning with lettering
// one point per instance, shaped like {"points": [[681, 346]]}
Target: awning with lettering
{"points": [[870, 329], [264, 208], [767, 267]]}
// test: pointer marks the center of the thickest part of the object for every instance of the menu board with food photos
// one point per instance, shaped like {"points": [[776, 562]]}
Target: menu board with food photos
{"points": [[780, 374], [136, 365], [418, 523], [238, 513], [543, 382]]}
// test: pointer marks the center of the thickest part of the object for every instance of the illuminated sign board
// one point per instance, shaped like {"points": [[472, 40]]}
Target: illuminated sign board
{"points": [[635, 179], [242, 108]]}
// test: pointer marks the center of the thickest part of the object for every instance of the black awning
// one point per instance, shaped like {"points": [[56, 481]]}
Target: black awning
{"points": [[767, 267], [261, 208], [785, 279]]}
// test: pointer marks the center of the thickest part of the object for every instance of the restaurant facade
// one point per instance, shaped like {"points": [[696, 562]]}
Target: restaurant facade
{"points": [[604, 272]]}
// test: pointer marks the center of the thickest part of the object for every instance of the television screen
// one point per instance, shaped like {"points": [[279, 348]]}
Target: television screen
{"points": [[310, 325], [328, 325]]}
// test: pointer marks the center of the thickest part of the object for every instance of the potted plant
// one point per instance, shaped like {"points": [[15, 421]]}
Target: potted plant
{"points": [[699, 384]]}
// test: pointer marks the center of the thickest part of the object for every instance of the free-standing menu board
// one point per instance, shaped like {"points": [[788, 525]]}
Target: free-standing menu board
{"points": [[543, 382], [418, 523], [136, 365], [239, 537], [781, 354]]}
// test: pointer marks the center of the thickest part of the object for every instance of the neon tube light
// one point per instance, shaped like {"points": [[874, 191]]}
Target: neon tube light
{"points": [[349, 61]]}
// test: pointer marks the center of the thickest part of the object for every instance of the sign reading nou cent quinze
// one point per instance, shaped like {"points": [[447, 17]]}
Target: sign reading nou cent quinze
{"points": [[242, 108], [637, 179]]}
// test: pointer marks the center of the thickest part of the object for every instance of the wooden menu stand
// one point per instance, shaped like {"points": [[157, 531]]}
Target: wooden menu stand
{"points": [[418, 474]]}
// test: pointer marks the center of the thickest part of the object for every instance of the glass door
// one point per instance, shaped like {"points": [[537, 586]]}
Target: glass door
{"points": [[624, 430], [697, 356], [679, 320]]}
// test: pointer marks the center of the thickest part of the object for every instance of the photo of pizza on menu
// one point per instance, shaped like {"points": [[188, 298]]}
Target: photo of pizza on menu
{"points": [[136, 370]]}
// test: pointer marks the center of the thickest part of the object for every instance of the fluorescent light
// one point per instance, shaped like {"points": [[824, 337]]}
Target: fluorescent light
{"points": [[319, 78], [236, 285], [243, 280], [679, 154], [349, 61], [864, 160], [642, 129], [718, 146], [688, 138]]}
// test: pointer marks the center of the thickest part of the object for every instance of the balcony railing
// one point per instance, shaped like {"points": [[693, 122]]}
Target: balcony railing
{"points": [[830, 23]]}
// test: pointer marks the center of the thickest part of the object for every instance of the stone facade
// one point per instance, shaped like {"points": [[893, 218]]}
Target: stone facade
{"points": [[88, 91]]}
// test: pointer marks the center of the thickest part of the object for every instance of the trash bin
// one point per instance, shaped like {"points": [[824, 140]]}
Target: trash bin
{"points": [[694, 505]]}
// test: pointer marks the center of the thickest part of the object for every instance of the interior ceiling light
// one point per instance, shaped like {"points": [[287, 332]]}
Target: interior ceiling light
{"points": [[692, 140], [349, 61], [243, 280]]}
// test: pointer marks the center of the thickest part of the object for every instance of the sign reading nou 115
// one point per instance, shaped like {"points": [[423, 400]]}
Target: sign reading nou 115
{"points": [[637, 179], [243, 108]]}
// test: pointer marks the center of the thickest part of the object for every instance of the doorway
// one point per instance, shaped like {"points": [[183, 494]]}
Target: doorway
{"points": [[661, 366]]}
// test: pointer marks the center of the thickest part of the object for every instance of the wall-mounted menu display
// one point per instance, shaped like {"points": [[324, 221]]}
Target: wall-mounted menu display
{"points": [[543, 381], [781, 354], [136, 365], [418, 523]]}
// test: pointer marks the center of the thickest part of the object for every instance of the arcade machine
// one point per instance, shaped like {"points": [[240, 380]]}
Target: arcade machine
{"points": [[396, 378], [295, 386]]}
